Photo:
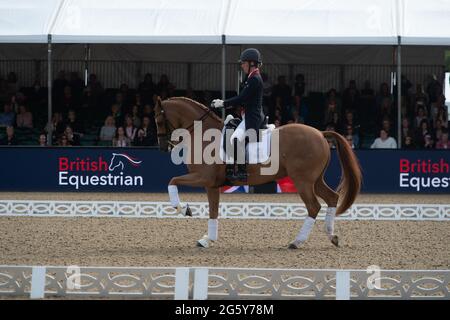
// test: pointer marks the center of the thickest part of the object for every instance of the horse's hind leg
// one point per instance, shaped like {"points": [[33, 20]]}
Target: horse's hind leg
{"points": [[331, 198], [306, 191]]}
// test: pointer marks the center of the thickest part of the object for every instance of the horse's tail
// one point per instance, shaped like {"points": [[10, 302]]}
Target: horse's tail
{"points": [[351, 178]]}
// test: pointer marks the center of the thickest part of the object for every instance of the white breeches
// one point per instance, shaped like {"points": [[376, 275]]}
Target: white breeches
{"points": [[239, 133]]}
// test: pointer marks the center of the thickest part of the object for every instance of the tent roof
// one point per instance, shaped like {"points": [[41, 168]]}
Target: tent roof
{"points": [[140, 21], [425, 22], [26, 21], [352, 22], [312, 22]]}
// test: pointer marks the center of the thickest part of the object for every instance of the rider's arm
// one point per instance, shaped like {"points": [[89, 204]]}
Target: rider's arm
{"points": [[245, 93]]}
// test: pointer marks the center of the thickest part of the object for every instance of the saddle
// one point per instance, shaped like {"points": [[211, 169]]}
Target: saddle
{"points": [[253, 150]]}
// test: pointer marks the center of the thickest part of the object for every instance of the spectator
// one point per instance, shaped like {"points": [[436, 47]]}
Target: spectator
{"points": [[121, 140], [386, 126], [331, 127], [108, 131], [95, 85], [385, 110], [77, 85], [442, 117], [147, 88], [332, 106], [63, 141], [281, 90], [165, 86], [267, 93], [42, 140], [146, 134], [443, 142], [408, 143], [350, 97], [130, 129], [73, 139], [3, 90], [10, 139], [89, 102], [24, 118], [421, 132], [76, 125], [8, 116], [57, 126], [67, 101], [116, 113], [299, 85], [119, 100], [59, 85], [428, 142], [434, 88], [355, 137], [407, 131], [382, 94], [349, 120], [12, 82], [136, 116], [384, 141], [420, 117]]}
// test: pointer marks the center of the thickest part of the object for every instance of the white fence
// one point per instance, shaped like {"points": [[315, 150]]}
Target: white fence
{"points": [[244, 210], [222, 283]]}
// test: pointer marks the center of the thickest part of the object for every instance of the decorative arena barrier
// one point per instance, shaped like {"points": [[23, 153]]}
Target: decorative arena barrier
{"points": [[244, 210], [222, 283]]}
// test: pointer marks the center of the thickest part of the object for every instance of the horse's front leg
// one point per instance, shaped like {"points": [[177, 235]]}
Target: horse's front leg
{"points": [[192, 179], [213, 222]]}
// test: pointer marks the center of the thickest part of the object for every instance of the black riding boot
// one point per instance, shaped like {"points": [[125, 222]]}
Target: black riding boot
{"points": [[241, 173]]}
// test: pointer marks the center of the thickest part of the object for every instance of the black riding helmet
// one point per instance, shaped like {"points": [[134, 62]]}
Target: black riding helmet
{"points": [[251, 54]]}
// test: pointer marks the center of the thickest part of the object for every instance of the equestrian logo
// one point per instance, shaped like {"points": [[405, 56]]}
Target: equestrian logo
{"points": [[117, 158]]}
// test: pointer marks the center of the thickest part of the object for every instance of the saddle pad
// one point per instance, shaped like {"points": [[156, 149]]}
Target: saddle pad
{"points": [[257, 152]]}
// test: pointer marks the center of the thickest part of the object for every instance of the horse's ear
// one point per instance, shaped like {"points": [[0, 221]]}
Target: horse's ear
{"points": [[157, 100]]}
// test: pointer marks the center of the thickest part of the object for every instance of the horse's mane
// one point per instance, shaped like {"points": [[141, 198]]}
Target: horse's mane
{"points": [[198, 104]]}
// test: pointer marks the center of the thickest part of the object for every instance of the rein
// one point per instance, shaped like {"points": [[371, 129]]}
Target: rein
{"points": [[169, 132]]}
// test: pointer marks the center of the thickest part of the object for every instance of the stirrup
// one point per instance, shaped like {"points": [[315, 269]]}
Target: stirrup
{"points": [[204, 242]]}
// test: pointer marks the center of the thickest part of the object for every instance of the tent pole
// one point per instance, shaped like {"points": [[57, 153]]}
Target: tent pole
{"points": [[224, 49], [49, 89], [87, 58], [399, 94]]}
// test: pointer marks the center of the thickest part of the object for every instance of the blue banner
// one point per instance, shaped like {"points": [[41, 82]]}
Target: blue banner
{"points": [[82, 169]]}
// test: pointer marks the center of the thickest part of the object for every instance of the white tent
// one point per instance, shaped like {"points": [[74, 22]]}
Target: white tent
{"points": [[425, 22], [27, 21], [140, 21], [352, 22], [312, 22]]}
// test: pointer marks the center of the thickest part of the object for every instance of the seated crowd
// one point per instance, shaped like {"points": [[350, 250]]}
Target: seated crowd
{"points": [[91, 115]]}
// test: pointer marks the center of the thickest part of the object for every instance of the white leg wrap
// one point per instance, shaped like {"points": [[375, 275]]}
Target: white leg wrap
{"points": [[213, 225], [173, 195], [329, 221], [305, 230]]}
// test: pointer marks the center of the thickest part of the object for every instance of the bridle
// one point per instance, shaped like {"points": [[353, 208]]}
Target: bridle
{"points": [[167, 124]]}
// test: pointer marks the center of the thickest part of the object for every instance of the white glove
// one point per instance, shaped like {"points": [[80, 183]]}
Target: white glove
{"points": [[217, 103]]}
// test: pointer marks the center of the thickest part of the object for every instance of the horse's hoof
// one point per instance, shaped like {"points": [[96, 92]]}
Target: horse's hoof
{"points": [[335, 240], [188, 211], [294, 245], [204, 242]]}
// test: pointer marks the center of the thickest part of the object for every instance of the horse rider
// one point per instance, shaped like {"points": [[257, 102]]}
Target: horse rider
{"points": [[251, 98]]}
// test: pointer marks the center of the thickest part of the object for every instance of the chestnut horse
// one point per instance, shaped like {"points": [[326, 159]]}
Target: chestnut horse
{"points": [[304, 155]]}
